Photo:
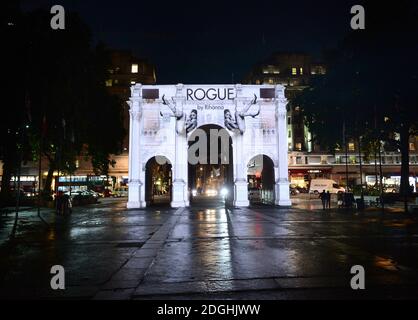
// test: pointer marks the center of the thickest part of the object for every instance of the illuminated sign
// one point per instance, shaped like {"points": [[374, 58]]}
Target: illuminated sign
{"points": [[219, 93]]}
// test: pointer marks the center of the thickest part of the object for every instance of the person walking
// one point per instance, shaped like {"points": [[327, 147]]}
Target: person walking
{"points": [[323, 197], [340, 198], [66, 205], [328, 200]]}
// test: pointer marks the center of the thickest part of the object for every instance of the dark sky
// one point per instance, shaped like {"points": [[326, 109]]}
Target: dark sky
{"points": [[211, 41]]}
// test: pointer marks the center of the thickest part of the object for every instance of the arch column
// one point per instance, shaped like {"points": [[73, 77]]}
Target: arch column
{"points": [[136, 190], [180, 173], [240, 168], [281, 190]]}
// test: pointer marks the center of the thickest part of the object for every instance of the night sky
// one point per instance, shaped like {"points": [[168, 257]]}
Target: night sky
{"points": [[211, 41]]}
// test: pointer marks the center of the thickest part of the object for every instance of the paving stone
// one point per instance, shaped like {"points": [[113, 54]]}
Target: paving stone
{"points": [[71, 292], [171, 288], [312, 282], [195, 253], [120, 294], [153, 245], [241, 285], [138, 263], [120, 284], [146, 253], [129, 274]]}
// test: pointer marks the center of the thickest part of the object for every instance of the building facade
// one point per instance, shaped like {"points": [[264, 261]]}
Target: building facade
{"points": [[124, 71], [307, 160]]}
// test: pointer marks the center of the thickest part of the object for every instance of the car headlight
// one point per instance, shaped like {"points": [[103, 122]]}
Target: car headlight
{"points": [[224, 192]]}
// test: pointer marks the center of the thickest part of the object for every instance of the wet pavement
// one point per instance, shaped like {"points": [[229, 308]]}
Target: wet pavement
{"points": [[210, 252]]}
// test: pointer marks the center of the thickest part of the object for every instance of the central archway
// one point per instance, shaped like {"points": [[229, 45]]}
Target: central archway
{"points": [[210, 164]]}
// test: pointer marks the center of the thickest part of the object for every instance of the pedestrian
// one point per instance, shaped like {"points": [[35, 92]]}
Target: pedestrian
{"points": [[328, 200], [340, 196], [66, 208], [323, 197]]}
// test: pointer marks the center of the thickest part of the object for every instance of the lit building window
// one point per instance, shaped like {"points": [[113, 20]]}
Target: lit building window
{"points": [[298, 146], [294, 71], [301, 71], [412, 146], [134, 68], [109, 83], [77, 164], [351, 146]]}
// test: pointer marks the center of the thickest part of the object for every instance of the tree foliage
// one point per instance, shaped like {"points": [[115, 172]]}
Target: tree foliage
{"points": [[62, 103], [371, 88]]}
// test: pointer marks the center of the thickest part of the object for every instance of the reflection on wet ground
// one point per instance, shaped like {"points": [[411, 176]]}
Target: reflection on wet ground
{"points": [[111, 252]]}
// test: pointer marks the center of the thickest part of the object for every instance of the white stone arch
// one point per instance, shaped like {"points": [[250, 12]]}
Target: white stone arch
{"points": [[266, 195], [269, 155], [171, 142], [148, 186], [154, 155]]}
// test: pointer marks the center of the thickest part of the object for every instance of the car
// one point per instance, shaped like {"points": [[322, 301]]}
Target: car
{"points": [[211, 192], [302, 189], [120, 192], [81, 197], [91, 193], [107, 193]]}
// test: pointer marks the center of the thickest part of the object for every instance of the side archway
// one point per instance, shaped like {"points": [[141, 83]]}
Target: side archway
{"points": [[261, 179], [158, 181]]}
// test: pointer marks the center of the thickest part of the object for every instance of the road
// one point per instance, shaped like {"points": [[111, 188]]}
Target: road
{"points": [[210, 252]]}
